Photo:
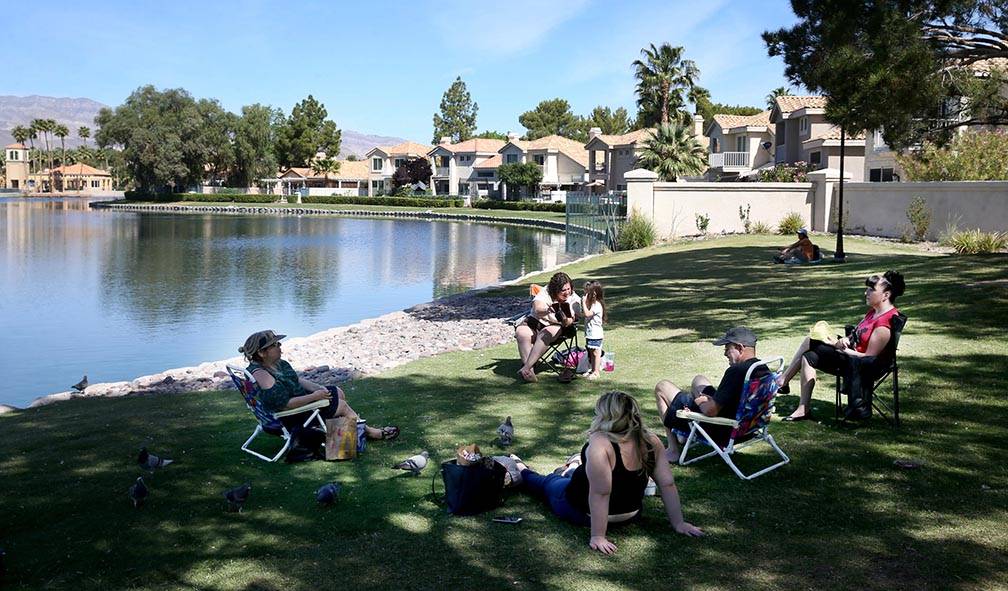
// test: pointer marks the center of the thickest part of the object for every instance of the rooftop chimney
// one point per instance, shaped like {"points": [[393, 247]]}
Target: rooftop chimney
{"points": [[445, 140], [697, 125], [594, 132], [512, 136]]}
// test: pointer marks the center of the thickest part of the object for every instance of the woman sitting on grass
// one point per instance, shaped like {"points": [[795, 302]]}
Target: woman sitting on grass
{"points": [[608, 485], [550, 316], [280, 388], [833, 355]]}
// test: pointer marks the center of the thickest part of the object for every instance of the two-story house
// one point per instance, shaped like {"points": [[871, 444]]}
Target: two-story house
{"points": [[384, 160], [610, 157], [739, 145], [803, 135], [564, 161], [466, 168]]}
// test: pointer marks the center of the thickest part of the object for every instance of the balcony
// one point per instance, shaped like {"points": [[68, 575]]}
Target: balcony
{"points": [[729, 160], [441, 171]]}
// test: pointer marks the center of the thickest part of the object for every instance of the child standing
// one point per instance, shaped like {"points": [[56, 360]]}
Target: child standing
{"points": [[595, 316]]}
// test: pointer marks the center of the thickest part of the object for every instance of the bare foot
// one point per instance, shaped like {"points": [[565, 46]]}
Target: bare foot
{"points": [[529, 375], [592, 376]]}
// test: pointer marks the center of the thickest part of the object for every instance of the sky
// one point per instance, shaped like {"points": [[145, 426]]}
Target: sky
{"points": [[382, 67]]}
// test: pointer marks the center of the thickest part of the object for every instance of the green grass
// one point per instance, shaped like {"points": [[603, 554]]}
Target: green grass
{"points": [[840, 516]]}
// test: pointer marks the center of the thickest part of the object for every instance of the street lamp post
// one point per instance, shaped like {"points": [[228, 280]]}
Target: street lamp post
{"points": [[838, 254]]}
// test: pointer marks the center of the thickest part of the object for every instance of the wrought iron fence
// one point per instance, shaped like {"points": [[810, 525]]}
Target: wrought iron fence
{"points": [[598, 214]]}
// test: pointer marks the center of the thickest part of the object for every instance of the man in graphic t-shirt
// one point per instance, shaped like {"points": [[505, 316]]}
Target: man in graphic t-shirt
{"points": [[722, 401]]}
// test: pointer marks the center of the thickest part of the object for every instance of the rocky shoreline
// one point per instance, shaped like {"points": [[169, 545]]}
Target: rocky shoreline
{"points": [[463, 322]]}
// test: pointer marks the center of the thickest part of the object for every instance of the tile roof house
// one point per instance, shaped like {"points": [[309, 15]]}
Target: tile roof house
{"points": [[610, 157], [802, 134], [739, 145], [384, 160], [351, 180], [466, 168], [564, 161]]}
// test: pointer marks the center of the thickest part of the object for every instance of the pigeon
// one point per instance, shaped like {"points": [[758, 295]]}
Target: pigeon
{"points": [[151, 461], [81, 385], [237, 496], [505, 432], [138, 492], [414, 464], [328, 493], [3, 564]]}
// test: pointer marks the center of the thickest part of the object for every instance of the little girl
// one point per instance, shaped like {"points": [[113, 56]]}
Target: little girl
{"points": [[595, 315]]}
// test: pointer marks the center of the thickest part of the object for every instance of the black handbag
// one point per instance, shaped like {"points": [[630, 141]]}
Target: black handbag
{"points": [[472, 489]]}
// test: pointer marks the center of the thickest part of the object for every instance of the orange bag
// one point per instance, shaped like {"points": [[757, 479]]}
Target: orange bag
{"points": [[341, 439]]}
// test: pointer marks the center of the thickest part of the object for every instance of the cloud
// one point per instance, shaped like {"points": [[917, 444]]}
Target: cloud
{"points": [[502, 28]]}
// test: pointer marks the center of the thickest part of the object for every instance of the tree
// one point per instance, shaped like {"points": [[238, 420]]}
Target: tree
{"points": [[84, 132], [610, 122], [216, 137], [62, 131], [518, 175], [665, 81], [892, 64], [307, 132], [325, 166], [255, 144], [457, 119], [706, 109], [980, 156], [352, 157], [672, 151], [553, 117], [491, 135], [771, 98], [20, 133], [414, 170]]}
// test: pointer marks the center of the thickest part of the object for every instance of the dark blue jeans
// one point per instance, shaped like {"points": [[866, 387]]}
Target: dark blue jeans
{"points": [[552, 489]]}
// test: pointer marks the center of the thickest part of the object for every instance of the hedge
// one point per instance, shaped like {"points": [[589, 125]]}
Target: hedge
{"points": [[519, 205], [201, 197], [384, 200]]}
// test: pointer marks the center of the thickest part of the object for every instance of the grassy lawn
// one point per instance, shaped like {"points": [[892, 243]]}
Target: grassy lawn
{"points": [[496, 213], [840, 516]]}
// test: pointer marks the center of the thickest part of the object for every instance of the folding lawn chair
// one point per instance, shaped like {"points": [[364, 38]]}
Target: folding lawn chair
{"points": [[890, 414], [749, 426], [270, 422], [556, 354]]}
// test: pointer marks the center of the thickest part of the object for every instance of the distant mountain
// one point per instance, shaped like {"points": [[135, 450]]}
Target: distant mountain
{"points": [[77, 112]]}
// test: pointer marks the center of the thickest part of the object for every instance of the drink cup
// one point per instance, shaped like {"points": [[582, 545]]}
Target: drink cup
{"points": [[609, 362]]}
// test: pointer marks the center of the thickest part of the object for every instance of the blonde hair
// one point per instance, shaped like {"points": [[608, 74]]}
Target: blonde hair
{"points": [[618, 417]]}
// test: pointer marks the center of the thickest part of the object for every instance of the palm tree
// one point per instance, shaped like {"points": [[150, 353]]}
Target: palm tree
{"points": [[84, 132], [32, 136], [61, 131], [672, 151], [20, 133], [325, 166], [662, 79], [779, 91]]}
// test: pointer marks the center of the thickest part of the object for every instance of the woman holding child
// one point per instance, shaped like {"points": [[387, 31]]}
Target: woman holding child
{"points": [[550, 316], [864, 350], [607, 486]]}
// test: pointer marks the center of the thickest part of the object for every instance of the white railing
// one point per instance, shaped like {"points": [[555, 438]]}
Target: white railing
{"points": [[729, 160], [441, 171]]}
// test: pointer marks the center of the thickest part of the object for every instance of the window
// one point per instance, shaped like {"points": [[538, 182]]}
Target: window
{"points": [[511, 158], [740, 144], [399, 162], [376, 164], [621, 187], [715, 145], [441, 161], [815, 158], [803, 124], [540, 159], [485, 174], [95, 184], [465, 158], [463, 189], [882, 175]]}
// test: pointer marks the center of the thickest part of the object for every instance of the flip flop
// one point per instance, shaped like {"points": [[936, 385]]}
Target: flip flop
{"points": [[805, 417]]}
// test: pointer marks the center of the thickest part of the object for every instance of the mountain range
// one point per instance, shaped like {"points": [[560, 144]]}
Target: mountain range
{"points": [[80, 112]]}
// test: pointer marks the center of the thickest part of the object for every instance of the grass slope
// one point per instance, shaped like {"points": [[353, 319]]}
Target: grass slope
{"points": [[840, 516]]}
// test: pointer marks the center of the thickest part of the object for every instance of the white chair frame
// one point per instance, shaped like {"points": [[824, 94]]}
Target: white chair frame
{"points": [[761, 434]]}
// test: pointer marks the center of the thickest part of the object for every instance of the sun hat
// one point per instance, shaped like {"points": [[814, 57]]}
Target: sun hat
{"points": [[258, 341], [739, 335]]}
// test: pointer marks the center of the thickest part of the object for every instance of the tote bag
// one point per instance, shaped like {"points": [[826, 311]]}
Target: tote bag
{"points": [[473, 489]]}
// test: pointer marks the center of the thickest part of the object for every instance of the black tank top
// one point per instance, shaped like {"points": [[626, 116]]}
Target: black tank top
{"points": [[627, 486]]}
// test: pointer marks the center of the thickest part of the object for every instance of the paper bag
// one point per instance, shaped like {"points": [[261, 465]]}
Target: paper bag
{"points": [[341, 439]]}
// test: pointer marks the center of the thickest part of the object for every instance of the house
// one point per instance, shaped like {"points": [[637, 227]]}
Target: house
{"points": [[739, 145], [466, 168], [610, 157], [81, 177], [352, 179], [16, 167], [384, 160], [803, 135], [564, 161]]}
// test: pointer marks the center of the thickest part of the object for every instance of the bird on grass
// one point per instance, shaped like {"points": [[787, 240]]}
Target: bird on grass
{"points": [[326, 495], [237, 496], [414, 464], [81, 385], [138, 492], [152, 461], [3, 563], [505, 432]]}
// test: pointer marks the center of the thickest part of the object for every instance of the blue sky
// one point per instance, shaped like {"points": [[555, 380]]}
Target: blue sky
{"points": [[381, 67]]}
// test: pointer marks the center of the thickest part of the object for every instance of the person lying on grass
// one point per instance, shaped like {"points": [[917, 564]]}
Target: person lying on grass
{"points": [[280, 388], [608, 484]]}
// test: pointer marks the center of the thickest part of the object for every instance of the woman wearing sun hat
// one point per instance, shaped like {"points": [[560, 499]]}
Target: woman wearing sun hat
{"points": [[280, 387]]}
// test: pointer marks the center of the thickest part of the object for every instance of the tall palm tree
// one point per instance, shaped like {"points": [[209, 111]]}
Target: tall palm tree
{"points": [[20, 133], [779, 91], [32, 136], [672, 151], [84, 132], [663, 77], [62, 131]]}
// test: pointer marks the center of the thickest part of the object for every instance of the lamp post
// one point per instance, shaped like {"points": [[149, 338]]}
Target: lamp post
{"points": [[838, 254]]}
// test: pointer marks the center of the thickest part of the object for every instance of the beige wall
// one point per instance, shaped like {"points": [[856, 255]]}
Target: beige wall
{"points": [[853, 163], [879, 209]]}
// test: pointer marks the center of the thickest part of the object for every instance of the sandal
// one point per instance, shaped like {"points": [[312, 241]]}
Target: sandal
{"points": [[389, 433]]}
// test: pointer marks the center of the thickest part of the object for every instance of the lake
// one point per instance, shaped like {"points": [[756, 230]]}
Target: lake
{"points": [[116, 295]]}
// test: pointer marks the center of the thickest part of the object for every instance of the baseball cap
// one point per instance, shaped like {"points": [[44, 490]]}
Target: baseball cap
{"points": [[258, 341], [739, 335], [802, 232]]}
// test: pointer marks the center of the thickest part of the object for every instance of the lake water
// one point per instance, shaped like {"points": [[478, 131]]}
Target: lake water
{"points": [[117, 295]]}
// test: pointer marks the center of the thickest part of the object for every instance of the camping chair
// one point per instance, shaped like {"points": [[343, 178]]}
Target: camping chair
{"points": [[749, 426], [556, 353], [270, 422], [889, 413]]}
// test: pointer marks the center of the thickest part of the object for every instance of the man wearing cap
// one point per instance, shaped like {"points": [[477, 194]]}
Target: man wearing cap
{"points": [[740, 350], [802, 251]]}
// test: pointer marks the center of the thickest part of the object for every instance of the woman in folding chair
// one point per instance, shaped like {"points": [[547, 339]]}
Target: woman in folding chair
{"points": [[280, 388], [550, 316]]}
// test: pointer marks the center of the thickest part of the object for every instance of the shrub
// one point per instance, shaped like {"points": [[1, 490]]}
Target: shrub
{"points": [[636, 232], [920, 216], [396, 201], [743, 215], [790, 224], [200, 198], [761, 228], [973, 156], [702, 222], [785, 173], [976, 241], [519, 205]]}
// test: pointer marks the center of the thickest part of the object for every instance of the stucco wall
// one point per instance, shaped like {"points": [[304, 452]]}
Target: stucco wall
{"points": [[853, 163], [879, 209]]}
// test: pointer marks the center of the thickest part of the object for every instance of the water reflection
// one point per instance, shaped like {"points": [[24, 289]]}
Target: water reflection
{"points": [[121, 294]]}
